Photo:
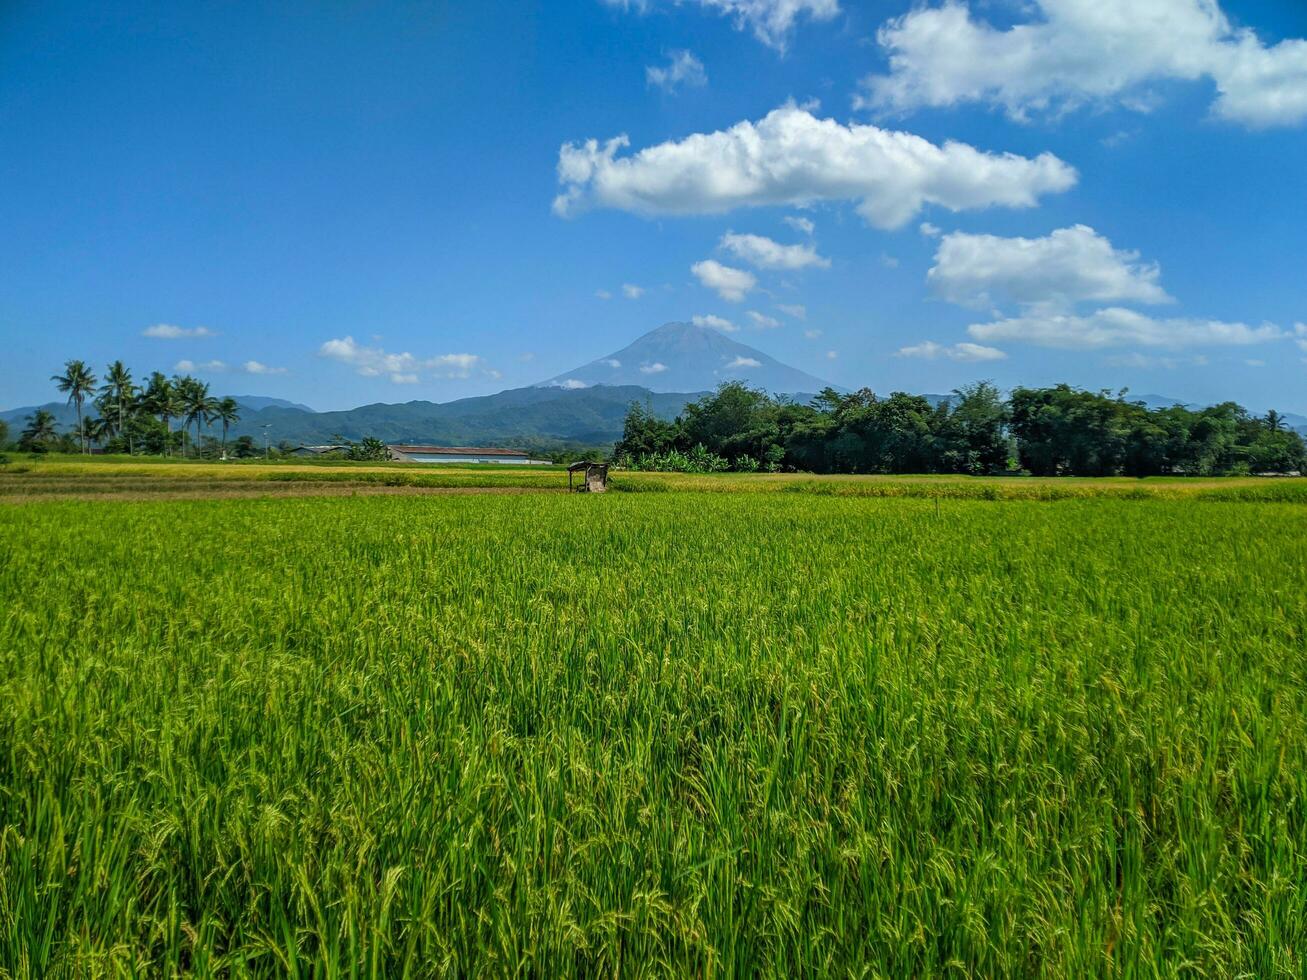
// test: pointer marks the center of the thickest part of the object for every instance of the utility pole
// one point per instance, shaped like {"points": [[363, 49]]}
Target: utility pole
{"points": [[265, 427]]}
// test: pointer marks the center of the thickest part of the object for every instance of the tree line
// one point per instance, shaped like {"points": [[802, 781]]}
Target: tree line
{"points": [[1055, 431], [118, 415]]}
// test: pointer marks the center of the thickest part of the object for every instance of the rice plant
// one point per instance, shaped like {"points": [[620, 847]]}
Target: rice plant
{"points": [[714, 734]]}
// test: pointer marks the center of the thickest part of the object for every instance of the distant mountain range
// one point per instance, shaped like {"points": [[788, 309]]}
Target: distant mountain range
{"points": [[688, 357], [582, 408]]}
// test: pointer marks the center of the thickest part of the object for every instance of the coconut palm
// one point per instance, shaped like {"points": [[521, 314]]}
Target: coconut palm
{"points": [[77, 382], [228, 413], [120, 393], [99, 430], [161, 399], [197, 405], [40, 431]]}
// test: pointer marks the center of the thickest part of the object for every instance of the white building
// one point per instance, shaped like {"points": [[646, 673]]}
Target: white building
{"points": [[462, 454]]}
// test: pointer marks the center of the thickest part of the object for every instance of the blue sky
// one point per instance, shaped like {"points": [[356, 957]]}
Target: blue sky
{"points": [[354, 202]]}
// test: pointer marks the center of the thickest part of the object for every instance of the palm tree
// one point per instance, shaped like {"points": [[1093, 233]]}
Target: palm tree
{"points": [[161, 399], [228, 413], [197, 405], [120, 391], [98, 430], [78, 382], [39, 431], [1274, 421]]}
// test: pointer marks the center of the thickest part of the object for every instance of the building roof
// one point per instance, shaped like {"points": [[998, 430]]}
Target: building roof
{"points": [[456, 450]]}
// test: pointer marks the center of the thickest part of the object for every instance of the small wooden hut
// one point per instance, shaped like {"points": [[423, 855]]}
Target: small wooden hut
{"points": [[584, 476]]}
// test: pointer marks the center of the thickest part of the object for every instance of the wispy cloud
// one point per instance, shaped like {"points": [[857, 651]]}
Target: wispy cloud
{"points": [[965, 351], [1117, 327], [169, 331], [729, 283], [683, 70], [764, 253], [401, 368], [714, 321], [258, 367]]}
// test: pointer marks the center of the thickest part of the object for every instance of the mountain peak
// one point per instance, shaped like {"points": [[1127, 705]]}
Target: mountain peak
{"points": [[681, 356]]}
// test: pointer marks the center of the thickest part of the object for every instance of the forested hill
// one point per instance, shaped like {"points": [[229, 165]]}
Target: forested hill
{"points": [[519, 416]]}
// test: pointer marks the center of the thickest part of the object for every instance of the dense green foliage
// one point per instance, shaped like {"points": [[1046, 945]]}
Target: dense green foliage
{"points": [[710, 734], [1057, 431]]}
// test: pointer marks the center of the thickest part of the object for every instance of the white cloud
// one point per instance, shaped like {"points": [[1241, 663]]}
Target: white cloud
{"points": [[796, 310], [202, 367], [572, 384], [402, 368], [168, 331], [1146, 362], [715, 322], [257, 367], [762, 321], [611, 362], [1117, 327], [632, 291], [888, 261], [964, 351], [764, 253], [657, 367], [812, 334], [790, 157], [1070, 265], [929, 230], [1255, 362], [603, 294], [804, 225], [744, 362], [832, 354], [1300, 336], [682, 69], [526, 356], [771, 21], [1077, 52], [730, 284]]}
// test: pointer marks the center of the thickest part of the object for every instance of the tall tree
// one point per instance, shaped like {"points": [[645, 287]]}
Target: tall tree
{"points": [[77, 382], [120, 392], [197, 405], [98, 429], [39, 432], [161, 399], [228, 413]]}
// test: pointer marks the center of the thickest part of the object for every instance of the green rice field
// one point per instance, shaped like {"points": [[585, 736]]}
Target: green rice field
{"points": [[834, 730]]}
